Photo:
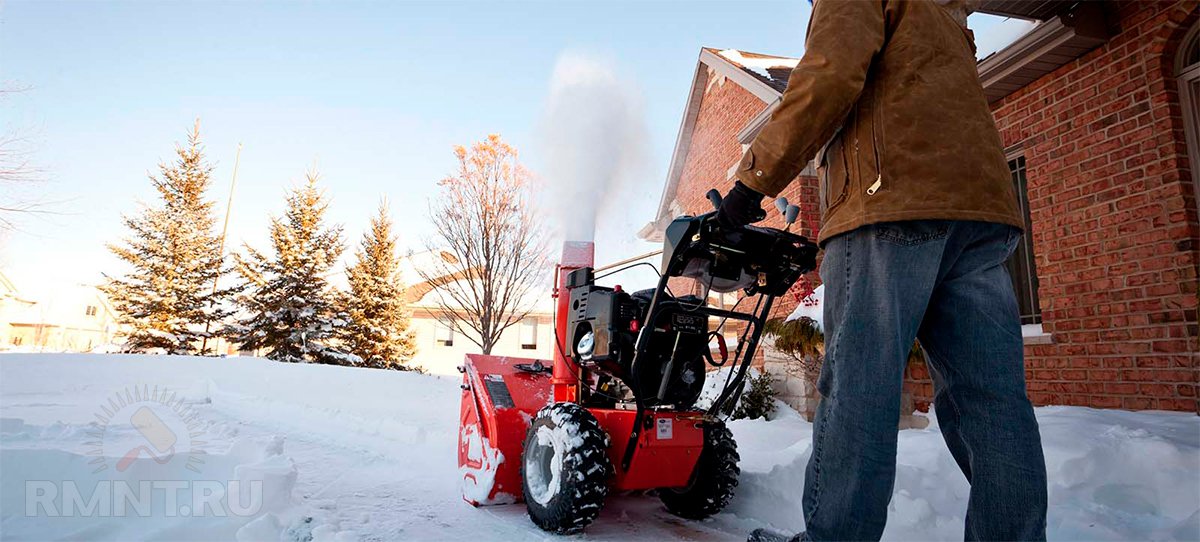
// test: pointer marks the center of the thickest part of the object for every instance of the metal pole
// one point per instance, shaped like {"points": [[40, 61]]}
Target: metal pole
{"points": [[221, 250], [628, 260]]}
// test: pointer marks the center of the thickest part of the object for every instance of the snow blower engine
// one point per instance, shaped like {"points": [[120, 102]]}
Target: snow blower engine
{"points": [[619, 408]]}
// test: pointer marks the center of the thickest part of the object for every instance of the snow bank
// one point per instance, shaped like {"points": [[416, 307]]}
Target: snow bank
{"points": [[345, 453], [288, 429], [146, 498], [1113, 476]]}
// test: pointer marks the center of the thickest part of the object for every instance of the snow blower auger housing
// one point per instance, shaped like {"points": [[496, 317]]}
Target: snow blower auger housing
{"points": [[617, 409]]}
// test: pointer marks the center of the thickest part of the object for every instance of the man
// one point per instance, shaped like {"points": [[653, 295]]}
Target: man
{"points": [[919, 217]]}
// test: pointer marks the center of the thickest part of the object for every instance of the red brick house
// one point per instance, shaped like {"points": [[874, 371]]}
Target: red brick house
{"points": [[1099, 107]]}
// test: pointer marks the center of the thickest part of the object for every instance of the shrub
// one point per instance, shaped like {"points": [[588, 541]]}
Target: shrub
{"points": [[759, 400]]}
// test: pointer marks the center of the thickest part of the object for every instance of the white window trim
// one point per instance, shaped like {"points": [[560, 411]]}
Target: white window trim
{"points": [[1035, 334]]}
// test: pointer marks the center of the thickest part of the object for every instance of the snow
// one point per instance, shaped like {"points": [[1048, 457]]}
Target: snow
{"points": [[477, 484], [759, 65], [811, 307], [714, 383], [542, 489], [1113, 475], [563, 440], [343, 453]]}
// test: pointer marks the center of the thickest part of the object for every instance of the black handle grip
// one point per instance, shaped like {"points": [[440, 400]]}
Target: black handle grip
{"points": [[714, 197]]}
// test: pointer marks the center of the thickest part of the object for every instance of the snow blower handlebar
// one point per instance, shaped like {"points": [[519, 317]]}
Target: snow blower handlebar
{"points": [[756, 260], [720, 262]]}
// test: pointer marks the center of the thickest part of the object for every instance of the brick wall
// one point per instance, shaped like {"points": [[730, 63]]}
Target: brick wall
{"points": [[1114, 221], [724, 110]]}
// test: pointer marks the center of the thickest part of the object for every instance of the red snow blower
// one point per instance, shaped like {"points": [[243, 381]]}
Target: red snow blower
{"points": [[617, 409]]}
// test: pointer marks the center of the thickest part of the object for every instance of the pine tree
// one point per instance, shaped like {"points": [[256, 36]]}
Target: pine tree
{"points": [[378, 331], [292, 310], [166, 299], [759, 400]]}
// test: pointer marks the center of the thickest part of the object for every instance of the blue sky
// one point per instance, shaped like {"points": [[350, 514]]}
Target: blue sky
{"points": [[374, 94]]}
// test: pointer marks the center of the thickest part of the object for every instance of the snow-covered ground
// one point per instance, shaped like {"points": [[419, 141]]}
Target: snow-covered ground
{"points": [[332, 453]]}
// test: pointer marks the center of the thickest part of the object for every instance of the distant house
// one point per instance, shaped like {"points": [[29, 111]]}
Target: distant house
{"points": [[76, 318], [1099, 107], [440, 348], [11, 305]]}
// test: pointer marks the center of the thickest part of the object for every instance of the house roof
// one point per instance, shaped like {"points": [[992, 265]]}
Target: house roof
{"points": [[8, 290], [6, 286], [427, 270], [1038, 10], [770, 69], [1051, 44]]}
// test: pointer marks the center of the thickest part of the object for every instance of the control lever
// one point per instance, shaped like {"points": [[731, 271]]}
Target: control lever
{"points": [[714, 197]]}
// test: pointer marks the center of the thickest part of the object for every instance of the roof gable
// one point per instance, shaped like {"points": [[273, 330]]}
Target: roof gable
{"points": [[765, 76], [770, 69]]}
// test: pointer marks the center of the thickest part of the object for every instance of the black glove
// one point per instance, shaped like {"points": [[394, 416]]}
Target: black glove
{"points": [[740, 206]]}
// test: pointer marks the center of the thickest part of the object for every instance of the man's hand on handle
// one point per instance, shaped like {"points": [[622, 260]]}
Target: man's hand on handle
{"points": [[741, 206]]}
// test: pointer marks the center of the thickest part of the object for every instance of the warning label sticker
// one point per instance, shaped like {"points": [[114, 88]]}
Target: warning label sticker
{"points": [[664, 428]]}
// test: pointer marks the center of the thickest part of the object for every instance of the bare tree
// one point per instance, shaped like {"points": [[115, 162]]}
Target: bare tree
{"points": [[16, 171], [483, 217]]}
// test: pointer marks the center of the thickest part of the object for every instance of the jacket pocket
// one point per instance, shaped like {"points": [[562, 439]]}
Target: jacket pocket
{"points": [[835, 181]]}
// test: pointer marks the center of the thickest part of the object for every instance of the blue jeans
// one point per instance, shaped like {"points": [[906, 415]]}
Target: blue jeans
{"points": [[945, 283]]}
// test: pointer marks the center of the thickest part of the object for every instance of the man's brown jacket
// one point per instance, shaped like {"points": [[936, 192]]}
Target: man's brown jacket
{"points": [[892, 87]]}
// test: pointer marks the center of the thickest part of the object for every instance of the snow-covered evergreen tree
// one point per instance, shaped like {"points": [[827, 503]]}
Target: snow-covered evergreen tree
{"points": [[166, 298], [378, 331], [292, 311]]}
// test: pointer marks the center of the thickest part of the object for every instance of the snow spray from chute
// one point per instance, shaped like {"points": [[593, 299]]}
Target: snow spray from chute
{"points": [[593, 139]]}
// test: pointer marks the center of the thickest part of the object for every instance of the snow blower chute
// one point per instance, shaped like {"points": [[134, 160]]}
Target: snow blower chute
{"points": [[617, 409]]}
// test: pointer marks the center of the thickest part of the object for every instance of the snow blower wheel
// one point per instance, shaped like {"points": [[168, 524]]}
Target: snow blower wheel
{"points": [[565, 468], [713, 480]]}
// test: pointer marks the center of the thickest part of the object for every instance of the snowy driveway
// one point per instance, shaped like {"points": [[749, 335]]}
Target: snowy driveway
{"points": [[332, 453]]}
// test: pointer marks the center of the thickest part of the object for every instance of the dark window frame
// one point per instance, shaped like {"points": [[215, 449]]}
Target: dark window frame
{"points": [[1021, 265]]}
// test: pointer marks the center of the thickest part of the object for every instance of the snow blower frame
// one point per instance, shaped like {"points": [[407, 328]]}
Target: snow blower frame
{"points": [[617, 409]]}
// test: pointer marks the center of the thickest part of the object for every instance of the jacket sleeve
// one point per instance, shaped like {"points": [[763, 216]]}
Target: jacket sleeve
{"points": [[844, 37]]}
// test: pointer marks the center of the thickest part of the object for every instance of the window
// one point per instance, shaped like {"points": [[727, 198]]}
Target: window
{"points": [[1187, 72], [1020, 265], [529, 327], [443, 333], [91, 310]]}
